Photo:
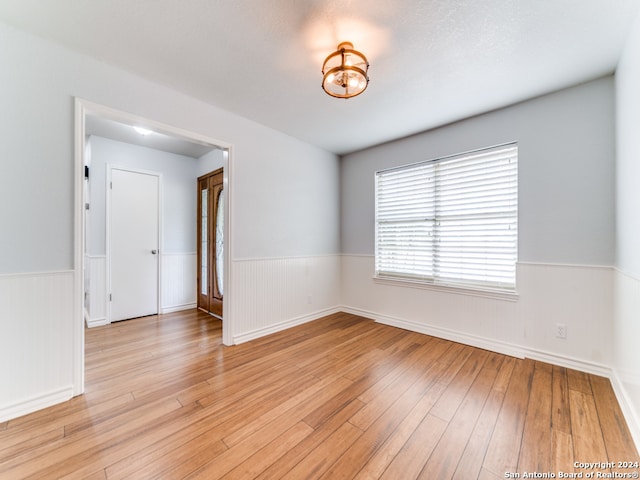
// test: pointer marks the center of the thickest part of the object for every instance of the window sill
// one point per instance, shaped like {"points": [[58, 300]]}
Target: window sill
{"points": [[457, 289]]}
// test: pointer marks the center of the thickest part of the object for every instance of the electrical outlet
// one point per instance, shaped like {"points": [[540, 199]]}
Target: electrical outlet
{"points": [[561, 330], [309, 299]]}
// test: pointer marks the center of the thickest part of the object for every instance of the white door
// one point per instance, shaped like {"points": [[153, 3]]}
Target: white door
{"points": [[134, 254]]}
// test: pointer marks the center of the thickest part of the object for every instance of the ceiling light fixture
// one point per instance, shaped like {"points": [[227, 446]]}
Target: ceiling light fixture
{"points": [[345, 72]]}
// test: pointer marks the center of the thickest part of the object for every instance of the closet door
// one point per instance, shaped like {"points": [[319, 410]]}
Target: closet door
{"points": [[134, 237], [211, 242]]}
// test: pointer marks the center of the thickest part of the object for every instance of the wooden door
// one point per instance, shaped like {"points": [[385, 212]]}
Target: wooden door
{"points": [[211, 242]]}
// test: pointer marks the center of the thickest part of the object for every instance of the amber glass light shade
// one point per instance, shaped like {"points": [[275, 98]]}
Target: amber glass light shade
{"points": [[345, 72]]}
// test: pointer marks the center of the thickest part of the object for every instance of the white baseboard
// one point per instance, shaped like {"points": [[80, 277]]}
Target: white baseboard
{"points": [[261, 332], [38, 402], [454, 336], [96, 322], [628, 410], [100, 321], [568, 362], [178, 308], [517, 351]]}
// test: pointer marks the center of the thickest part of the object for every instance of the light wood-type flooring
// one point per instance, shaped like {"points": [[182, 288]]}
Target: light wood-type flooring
{"points": [[338, 398]]}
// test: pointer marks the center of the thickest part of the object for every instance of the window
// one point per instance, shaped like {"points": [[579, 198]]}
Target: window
{"points": [[451, 221]]}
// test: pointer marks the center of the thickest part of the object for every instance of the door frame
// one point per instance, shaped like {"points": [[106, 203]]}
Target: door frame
{"points": [[158, 175], [83, 108]]}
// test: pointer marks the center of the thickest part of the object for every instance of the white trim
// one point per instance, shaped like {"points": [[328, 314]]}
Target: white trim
{"points": [[277, 327], [229, 319], [504, 348], [444, 333], [618, 380], [159, 127], [178, 308], [36, 274], [567, 362], [79, 246], [96, 322], [37, 402], [626, 405]]}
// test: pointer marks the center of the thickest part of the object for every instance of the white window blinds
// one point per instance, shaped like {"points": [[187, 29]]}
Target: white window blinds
{"points": [[451, 221]]}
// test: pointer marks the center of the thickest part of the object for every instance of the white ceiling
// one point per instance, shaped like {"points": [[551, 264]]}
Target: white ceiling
{"points": [[432, 61]]}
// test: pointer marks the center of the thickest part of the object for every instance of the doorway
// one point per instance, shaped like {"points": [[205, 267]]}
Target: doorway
{"points": [[85, 110], [211, 242]]}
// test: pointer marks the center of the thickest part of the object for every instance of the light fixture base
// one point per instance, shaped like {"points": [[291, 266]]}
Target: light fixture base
{"points": [[345, 45]]}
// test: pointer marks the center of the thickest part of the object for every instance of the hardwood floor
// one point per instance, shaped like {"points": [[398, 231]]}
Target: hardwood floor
{"points": [[338, 398]]}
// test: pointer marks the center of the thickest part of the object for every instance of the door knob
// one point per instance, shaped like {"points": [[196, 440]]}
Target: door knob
{"points": [[154, 252]]}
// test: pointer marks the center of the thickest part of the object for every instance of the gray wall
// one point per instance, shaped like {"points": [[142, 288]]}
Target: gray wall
{"points": [[566, 173], [39, 81]]}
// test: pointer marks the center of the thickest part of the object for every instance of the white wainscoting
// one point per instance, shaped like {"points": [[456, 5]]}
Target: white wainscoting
{"points": [[177, 289], [36, 328], [579, 297], [179, 282], [626, 349], [274, 294], [270, 295]]}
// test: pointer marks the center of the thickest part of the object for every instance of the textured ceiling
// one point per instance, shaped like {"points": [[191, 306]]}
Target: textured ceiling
{"points": [[432, 61]]}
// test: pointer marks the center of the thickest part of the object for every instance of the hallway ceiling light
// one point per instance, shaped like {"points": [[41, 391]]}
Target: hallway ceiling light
{"points": [[345, 72], [142, 131]]}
